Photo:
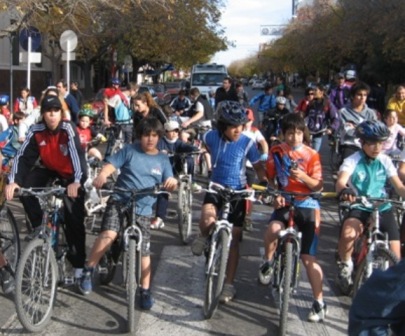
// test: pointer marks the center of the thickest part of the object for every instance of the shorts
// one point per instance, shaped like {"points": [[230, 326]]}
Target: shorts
{"points": [[388, 222], [238, 208], [113, 218], [308, 223]]}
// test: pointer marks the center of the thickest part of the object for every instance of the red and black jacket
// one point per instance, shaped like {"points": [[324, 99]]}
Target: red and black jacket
{"points": [[59, 151]]}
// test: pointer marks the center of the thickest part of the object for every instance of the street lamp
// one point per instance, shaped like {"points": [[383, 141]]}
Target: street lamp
{"points": [[11, 37]]}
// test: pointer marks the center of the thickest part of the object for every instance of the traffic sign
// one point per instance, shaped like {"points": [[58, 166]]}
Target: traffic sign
{"points": [[72, 56], [34, 57], [35, 35], [68, 40]]}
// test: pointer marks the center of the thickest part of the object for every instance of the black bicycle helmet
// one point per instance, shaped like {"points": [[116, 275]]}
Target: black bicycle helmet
{"points": [[372, 131], [231, 113]]}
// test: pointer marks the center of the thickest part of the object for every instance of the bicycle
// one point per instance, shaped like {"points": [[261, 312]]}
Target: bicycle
{"points": [[43, 263], [185, 199], [127, 249], [9, 236], [371, 250], [217, 249], [286, 266]]}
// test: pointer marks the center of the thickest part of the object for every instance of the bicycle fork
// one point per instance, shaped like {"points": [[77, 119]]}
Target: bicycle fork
{"points": [[219, 226]]}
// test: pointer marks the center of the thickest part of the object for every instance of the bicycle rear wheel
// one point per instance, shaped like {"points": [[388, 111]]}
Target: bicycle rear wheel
{"points": [[184, 212], [36, 279], [131, 284], [108, 263], [9, 237], [285, 288], [335, 159], [215, 278], [382, 259]]}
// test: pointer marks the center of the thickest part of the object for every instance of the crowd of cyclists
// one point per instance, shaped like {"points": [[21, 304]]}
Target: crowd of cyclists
{"points": [[48, 139]]}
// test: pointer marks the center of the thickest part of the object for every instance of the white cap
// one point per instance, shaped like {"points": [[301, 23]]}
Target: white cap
{"points": [[172, 125], [350, 74]]}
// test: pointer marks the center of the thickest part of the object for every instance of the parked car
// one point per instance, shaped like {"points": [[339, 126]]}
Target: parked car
{"points": [[258, 84], [173, 88]]}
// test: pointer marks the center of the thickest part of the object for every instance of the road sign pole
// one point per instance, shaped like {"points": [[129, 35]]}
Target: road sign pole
{"points": [[29, 64], [68, 66]]}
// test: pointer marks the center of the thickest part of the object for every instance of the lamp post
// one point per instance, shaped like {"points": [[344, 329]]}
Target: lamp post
{"points": [[295, 7], [11, 37]]}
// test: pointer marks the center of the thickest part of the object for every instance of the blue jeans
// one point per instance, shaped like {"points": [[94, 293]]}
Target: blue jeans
{"points": [[316, 143]]}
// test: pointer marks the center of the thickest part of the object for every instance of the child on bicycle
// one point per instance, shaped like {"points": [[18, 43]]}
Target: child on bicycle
{"points": [[155, 169], [171, 144], [229, 150], [296, 168], [55, 144], [87, 133], [365, 173], [390, 145]]}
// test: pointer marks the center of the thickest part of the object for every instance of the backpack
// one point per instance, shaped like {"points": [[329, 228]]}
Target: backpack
{"points": [[316, 117], [122, 113]]}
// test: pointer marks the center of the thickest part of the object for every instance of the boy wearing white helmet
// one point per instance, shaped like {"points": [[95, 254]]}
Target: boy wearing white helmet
{"points": [[170, 143]]}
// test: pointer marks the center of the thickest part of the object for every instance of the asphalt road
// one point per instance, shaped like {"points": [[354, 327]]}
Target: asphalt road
{"points": [[178, 287]]}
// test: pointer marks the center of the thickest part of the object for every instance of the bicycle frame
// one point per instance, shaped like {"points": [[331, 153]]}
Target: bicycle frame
{"points": [[114, 139]]}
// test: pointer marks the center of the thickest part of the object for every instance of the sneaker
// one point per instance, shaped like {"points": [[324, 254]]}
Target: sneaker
{"points": [[85, 284], [344, 278], [265, 272], [228, 293], [7, 280], [35, 233], [157, 223], [196, 187], [146, 300], [198, 245], [318, 312]]}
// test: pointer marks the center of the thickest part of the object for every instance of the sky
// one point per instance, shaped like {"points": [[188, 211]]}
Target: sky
{"points": [[242, 20]]}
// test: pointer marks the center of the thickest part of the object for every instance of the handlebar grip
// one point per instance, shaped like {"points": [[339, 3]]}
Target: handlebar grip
{"points": [[329, 194], [259, 187]]}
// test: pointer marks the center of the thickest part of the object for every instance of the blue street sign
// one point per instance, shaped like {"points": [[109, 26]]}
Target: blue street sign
{"points": [[35, 38]]}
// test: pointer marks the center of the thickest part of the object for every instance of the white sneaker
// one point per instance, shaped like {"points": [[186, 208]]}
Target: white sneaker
{"points": [[157, 223]]}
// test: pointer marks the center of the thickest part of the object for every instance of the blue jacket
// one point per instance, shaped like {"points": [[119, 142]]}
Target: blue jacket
{"points": [[266, 102]]}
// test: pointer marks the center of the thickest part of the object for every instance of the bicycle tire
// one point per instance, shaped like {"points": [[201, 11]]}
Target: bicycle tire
{"points": [[31, 291], [334, 160], [380, 256], [184, 212], [203, 166], [214, 281], [9, 238], [286, 288], [131, 285]]}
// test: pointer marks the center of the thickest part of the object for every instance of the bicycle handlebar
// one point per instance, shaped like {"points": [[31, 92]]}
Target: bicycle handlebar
{"points": [[155, 190], [219, 189], [275, 192], [41, 192], [372, 202]]}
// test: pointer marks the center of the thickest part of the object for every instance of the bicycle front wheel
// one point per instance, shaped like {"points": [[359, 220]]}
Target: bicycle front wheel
{"points": [[382, 259], [184, 212], [9, 237], [36, 279], [214, 281], [285, 288], [131, 284]]}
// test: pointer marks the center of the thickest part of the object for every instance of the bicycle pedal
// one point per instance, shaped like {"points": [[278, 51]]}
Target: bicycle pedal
{"points": [[69, 281], [102, 270]]}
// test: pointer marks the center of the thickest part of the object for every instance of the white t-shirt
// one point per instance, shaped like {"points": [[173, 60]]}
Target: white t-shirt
{"points": [[256, 136], [3, 123]]}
